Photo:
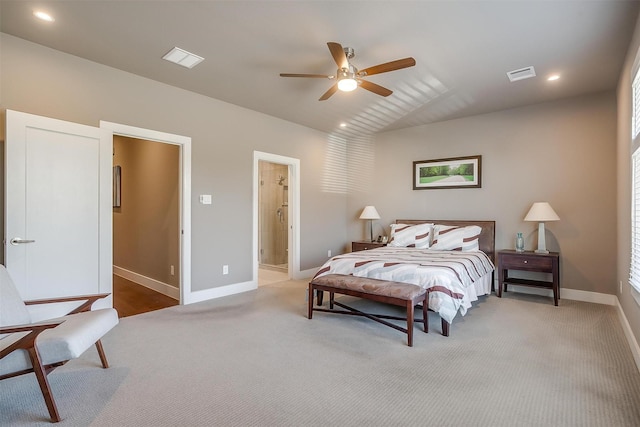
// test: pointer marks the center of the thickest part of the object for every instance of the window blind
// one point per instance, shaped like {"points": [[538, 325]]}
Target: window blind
{"points": [[635, 119], [634, 276]]}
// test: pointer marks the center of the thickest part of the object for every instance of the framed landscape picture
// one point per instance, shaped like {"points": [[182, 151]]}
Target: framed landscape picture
{"points": [[456, 172]]}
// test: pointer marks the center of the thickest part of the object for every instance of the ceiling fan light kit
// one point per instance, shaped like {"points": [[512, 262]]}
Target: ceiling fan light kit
{"points": [[347, 82], [349, 78]]}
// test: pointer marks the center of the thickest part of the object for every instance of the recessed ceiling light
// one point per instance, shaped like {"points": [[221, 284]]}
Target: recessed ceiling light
{"points": [[343, 125], [43, 15], [553, 77], [182, 57]]}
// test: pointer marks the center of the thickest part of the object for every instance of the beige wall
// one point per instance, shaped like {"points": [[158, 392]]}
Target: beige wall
{"points": [[629, 305], [146, 225], [562, 152], [50, 83]]}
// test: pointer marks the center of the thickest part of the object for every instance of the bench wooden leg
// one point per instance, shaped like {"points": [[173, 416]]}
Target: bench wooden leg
{"points": [[445, 327], [310, 300], [410, 309], [425, 310]]}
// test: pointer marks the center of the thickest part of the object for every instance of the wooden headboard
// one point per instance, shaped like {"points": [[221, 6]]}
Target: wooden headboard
{"points": [[487, 240]]}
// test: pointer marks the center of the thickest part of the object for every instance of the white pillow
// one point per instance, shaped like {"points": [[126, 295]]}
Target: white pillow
{"points": [[410, 236], [454, 238]]}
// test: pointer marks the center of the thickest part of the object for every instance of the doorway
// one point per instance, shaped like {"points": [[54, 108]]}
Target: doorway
{"points": [[276, 218], [182, 268], [273, 220], [146, 232]]}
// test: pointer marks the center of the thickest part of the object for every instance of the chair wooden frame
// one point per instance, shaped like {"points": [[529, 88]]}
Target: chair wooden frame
{"points": [[28, 343]]}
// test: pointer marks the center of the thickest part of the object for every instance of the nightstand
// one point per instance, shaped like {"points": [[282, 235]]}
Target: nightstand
{"points": [[363, 245], [529, 261]]}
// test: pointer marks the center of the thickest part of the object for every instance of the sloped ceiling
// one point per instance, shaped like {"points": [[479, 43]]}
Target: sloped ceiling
{"points": [[463, 51]]}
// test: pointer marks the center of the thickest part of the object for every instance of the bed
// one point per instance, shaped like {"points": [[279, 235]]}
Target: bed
{"points": [[453, 259]]}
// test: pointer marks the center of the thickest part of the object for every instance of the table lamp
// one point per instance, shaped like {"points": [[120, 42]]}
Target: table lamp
{"points": [[541, 212], [370, 213]]}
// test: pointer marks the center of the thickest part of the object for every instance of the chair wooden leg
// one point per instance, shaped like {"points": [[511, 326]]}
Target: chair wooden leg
{"points": [[103, 357], [44, 384]]}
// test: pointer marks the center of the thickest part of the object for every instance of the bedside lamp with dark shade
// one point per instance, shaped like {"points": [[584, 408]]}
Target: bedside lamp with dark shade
{"points": [[370, 213], [541, 212]]}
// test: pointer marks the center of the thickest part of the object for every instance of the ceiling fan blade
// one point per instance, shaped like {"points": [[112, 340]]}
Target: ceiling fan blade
{"points": [[338, 54], [315, 76], [328, 93], [377, 89], [388, 66]]}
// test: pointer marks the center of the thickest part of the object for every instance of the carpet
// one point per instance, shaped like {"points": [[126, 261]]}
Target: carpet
{"points": [[254, 359]]}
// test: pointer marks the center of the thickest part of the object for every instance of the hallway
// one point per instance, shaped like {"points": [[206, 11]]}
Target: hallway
{"points": [[130, 299]]}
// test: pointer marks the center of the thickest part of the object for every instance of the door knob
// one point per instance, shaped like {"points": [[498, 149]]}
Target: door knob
{"points": [[18, 240]]}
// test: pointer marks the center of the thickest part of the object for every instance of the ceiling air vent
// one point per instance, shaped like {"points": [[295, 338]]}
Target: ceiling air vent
{"points": [[182, 57], [521, 74]]}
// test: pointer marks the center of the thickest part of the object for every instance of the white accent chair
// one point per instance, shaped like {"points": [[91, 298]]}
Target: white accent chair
{"points": [[43, 346]]}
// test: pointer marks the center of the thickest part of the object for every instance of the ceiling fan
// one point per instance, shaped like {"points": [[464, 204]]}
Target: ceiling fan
{"points": [[349, 77]]}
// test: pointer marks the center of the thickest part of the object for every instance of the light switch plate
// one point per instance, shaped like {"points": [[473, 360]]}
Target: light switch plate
{"points": [[205, 199]]}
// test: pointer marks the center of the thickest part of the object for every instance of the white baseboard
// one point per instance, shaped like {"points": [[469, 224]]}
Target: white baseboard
{"points": [[147, 282], [236, 288], [305, 274], [570, 294], [222, 291], [631, 339]]}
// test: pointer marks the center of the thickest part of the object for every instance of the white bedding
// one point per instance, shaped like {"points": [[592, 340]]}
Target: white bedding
{"points": [[455, 279]]}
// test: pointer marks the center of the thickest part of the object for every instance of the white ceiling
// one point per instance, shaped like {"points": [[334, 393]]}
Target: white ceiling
{"points": [[463, 51]]}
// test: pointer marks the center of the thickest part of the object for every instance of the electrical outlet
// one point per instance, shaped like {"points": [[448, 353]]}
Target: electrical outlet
{"points": [[329, 253], [173, 271], [225, 269]]}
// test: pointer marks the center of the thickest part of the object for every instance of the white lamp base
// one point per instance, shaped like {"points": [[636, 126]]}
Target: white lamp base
{"points": [[371, 229], [542, 244]]}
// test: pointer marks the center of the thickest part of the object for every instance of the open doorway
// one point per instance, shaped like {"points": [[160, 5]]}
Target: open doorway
{"points": [[283, 211], [180, 267], [273, 222], [146, 226]]}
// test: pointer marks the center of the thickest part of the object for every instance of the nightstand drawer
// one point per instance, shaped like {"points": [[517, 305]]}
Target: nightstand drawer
{"points": [[526, 262], [363, 246]]}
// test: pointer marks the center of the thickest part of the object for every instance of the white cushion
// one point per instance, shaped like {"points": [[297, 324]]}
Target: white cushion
{"points": [[66, 341], [13, 311]]}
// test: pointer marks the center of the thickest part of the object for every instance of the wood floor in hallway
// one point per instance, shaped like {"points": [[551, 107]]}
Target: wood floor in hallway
{"points": [[129, 298]]}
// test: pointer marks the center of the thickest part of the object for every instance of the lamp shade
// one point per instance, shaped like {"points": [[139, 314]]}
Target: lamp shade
{"points": [[369, 212], [541, 212]]}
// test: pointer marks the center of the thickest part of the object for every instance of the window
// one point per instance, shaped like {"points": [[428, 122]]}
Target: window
{"points": [[634, 278], [634, 274], [635, 119]]}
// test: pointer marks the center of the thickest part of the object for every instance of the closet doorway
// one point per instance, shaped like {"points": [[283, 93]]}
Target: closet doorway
{"points": [[273, 222]]}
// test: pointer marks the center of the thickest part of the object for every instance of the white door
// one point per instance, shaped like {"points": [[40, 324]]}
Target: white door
{"points": [[58, 207]]}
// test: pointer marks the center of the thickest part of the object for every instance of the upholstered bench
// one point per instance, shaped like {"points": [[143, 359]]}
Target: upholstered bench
{"points": [[396, 293]]}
